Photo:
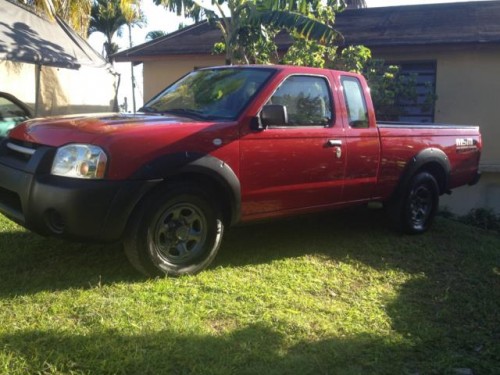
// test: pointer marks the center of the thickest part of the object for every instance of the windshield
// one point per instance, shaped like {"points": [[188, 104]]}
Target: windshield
{"points": [[210, 93]]}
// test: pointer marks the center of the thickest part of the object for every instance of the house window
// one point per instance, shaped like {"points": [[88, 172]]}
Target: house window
{"points": [[422, 109]]}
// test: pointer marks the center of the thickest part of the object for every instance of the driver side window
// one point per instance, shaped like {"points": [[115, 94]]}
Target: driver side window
{"points": [[307, 100]]}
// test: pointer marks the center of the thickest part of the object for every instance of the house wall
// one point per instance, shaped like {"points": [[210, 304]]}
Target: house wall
{"points": [[467, 82], [160, 73]]}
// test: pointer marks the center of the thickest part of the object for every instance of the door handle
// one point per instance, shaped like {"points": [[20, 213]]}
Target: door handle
{"points": [[334, 143], [337, 144]]}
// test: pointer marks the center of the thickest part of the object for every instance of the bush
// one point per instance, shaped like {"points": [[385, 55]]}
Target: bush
{"points": [[482, 218]]}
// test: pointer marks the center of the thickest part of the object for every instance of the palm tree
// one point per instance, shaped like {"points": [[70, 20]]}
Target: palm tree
{"points": [[75, 12], [187, 8], [108, 19], [133, 17]]}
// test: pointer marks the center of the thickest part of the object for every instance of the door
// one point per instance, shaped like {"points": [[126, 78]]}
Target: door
{"points": [[299, 165], [362, 143]]}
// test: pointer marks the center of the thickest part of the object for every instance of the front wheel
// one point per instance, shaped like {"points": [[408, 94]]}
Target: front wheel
{"points": [[176, 231], [414, 210]]}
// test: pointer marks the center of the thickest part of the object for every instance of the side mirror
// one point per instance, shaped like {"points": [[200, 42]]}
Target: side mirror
{"points": [[272, 114]]}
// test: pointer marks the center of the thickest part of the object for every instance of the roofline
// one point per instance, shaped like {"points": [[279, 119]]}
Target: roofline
{"points": [[140, 59], [117, 56], [430, 44], [421, 5]]}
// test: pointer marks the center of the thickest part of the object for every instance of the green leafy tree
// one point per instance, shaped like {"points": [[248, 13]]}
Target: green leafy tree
{"points": [[186, 8], [309, 52], [266, 18], [305, 52], [248, 26], [155, 34]]}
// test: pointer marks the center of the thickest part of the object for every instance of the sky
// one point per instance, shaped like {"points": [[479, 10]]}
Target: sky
{"points": [[160, 19]]}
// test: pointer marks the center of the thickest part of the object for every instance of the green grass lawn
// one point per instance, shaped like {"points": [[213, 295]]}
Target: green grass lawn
{"points": [[331, 294]]}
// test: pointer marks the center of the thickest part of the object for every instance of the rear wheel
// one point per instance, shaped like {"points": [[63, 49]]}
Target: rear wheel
{"points": [[176, 231], [414, 210]]}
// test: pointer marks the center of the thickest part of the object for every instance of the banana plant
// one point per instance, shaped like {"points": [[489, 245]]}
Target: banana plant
{"points": [[265, 18], [260, 18]]}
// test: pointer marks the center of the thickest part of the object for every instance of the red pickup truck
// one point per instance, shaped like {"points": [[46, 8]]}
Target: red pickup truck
{"points": [[222, 146]]}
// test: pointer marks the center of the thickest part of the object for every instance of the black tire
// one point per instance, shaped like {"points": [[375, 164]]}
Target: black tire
{"points": [[413, 210], [176, 231]]}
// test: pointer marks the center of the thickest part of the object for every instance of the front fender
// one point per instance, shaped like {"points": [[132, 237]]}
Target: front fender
{"points": [[168, 166]]}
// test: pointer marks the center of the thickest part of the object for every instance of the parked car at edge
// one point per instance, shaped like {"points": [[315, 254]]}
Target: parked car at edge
{"points": [[223, 146]]}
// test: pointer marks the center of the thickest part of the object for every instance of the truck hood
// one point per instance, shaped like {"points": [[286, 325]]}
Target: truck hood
{"points": [[57, 131]]}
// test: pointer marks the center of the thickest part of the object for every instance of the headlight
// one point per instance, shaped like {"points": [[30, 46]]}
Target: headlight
{"points": [[80, 161]]}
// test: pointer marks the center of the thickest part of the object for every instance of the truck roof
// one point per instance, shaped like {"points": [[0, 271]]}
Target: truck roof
{"points": [[290, 68]]}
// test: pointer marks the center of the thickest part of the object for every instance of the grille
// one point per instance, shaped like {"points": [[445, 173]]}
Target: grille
{"points": [[19, 150]]}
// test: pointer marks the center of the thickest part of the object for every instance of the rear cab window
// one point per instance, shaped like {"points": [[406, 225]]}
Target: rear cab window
{"points": [[357, 112]]}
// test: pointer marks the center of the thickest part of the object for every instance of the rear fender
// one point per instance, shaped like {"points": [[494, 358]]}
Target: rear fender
{"points": [[432, 160]]}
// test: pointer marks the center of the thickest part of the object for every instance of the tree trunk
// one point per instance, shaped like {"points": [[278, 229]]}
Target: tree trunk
{"points": [[132, 76]]}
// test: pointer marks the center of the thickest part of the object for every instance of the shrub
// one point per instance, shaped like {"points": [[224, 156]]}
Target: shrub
{"points": [[484, 218]]}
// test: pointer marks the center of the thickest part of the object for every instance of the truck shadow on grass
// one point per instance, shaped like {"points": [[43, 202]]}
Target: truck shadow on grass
{"points": [[447, 318], [330, 234], [30, 263]]}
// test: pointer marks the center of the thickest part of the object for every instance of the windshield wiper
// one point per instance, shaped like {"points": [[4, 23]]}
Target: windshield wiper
{"points": [[181, 112], [187, 112], [147, 109]]}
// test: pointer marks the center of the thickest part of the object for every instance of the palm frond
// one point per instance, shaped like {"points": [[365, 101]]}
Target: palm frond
{"points": [[306, 27]]}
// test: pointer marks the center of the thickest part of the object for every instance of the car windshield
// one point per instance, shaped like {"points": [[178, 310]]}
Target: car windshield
{"points": [[220, 93]]}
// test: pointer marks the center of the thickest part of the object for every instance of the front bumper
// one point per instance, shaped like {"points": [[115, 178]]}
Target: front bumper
{"points": [[72, 208]]}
